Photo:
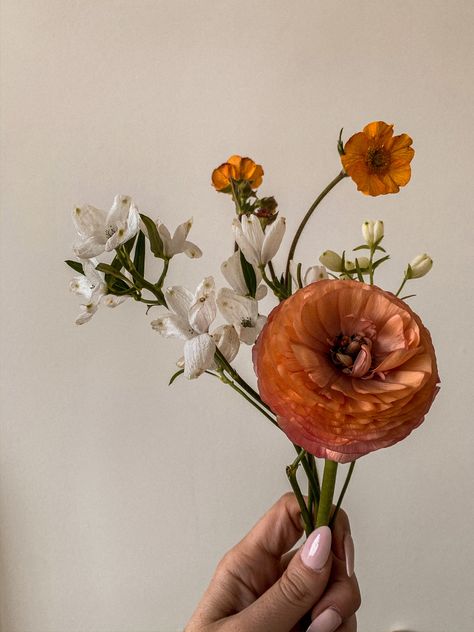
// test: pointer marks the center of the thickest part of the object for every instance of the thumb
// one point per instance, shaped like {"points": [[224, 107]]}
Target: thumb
{"points": [[297, 590]]}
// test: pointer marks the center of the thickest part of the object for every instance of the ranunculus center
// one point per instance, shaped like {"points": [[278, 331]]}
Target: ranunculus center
{"points": [[352, 354], [378, 159]]}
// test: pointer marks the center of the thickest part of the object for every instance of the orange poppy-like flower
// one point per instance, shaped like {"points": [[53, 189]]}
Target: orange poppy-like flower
{"points": [[378, 161], [347, 368], [237, 168]]}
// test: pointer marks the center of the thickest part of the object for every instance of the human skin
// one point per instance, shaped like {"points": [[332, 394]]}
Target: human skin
{"points": [[262, 585]]}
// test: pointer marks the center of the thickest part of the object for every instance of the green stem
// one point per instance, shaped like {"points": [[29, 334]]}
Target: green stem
{"points": [[405, 279], [308, 522], [312, 477], [343, 493], [232, 384], [340, 176], [161, 280], [130, 266], [327, 493], [274, 288]]}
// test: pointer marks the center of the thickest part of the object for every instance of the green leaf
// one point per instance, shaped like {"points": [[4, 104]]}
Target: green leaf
{"points": [[156, 244], [128, 245], [404, 298], [75, 265], [380, 248], [298, 275], [110, 270], [139, 256], [175, 375], [249, 275], [359, 272], [363, 247], [376, 264], [117, 286]]}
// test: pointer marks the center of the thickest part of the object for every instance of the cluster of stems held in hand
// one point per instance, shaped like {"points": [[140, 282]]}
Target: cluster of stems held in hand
{"points": [[317, 505]]}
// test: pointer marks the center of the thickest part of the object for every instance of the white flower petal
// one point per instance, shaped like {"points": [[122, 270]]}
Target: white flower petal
{"points": [[191, 250], [248, 335], [119, 211], [238, 310], [198, 355], [202, 312], [111, 300], [94, 276], [179, 237], [179, 299], [273, 238], [172, 326], [80, 285], [89, 221], [89, 247], [315, 273], [250, 253], [205, 288], [261, 292], [87, 312], [232, 271], [227, 341], [253, 231], [165, 235]]}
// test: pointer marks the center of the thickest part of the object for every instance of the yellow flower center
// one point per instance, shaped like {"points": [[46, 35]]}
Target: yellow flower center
{"points": [[378, 159]]}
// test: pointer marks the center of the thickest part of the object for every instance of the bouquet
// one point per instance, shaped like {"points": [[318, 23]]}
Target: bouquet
{"points": [[343, 367]]}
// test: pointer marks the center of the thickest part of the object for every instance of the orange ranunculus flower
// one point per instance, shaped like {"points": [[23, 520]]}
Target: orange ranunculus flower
{"points": [[347, 368], [378, 161], [237, 168]]}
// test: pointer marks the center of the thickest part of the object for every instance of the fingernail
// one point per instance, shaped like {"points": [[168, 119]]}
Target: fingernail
{"points": [[349, 553], [328, 621], [316, 549]]}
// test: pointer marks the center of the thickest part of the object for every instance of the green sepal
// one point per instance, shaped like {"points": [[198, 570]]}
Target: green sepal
{"points": [[249, 275], [376, 264], [156, 243], [175, 375], [139, 255], [75, 265]]}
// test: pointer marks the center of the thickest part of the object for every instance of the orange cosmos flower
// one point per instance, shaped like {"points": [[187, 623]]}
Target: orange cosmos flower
{"points": [[377, 161], [237, 168], [347, 367]]}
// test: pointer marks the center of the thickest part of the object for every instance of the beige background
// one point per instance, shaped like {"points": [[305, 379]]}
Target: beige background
{"points": [[120, 494]]}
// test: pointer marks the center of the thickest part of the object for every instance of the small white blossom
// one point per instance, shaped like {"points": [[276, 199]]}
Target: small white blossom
{"points": [[189, 319], [178, 243], [93, 288], [312, 274], [100, 231], [258, 247], [233, 274], [419, 266], [372, 231], [242, 313]]}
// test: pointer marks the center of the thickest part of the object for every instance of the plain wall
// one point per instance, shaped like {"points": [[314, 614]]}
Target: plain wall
{"points": [[118, 493]]}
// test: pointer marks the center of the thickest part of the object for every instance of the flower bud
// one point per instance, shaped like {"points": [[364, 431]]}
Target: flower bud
{"points": [[315, 273], [372, 232], [419, 266], [363, 262], [331, 260]]}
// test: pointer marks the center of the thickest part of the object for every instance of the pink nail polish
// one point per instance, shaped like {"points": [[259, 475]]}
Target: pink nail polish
{"points": [[328, 621], [349, 553], [317, 548]]}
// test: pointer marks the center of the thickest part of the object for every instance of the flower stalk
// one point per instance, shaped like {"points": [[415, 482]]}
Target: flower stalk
{"points": [[327, 493]]}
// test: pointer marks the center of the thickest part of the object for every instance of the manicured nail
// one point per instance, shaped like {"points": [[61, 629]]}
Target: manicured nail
{"points": [[328, 621], [349, 553], [316, 549]]}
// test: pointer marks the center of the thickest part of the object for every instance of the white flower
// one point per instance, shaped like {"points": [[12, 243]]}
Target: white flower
{"points": [[178, 243], [93, 288], [227, 341], [419, 266], [312, 274], [233, 274], [372, 232], [189, 319], [331, 260], [258, 247], [99, 231], [242, 312], [363, 262]]}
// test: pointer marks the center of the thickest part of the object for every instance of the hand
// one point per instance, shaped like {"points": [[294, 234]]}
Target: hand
{"points": [[259, 586]]}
